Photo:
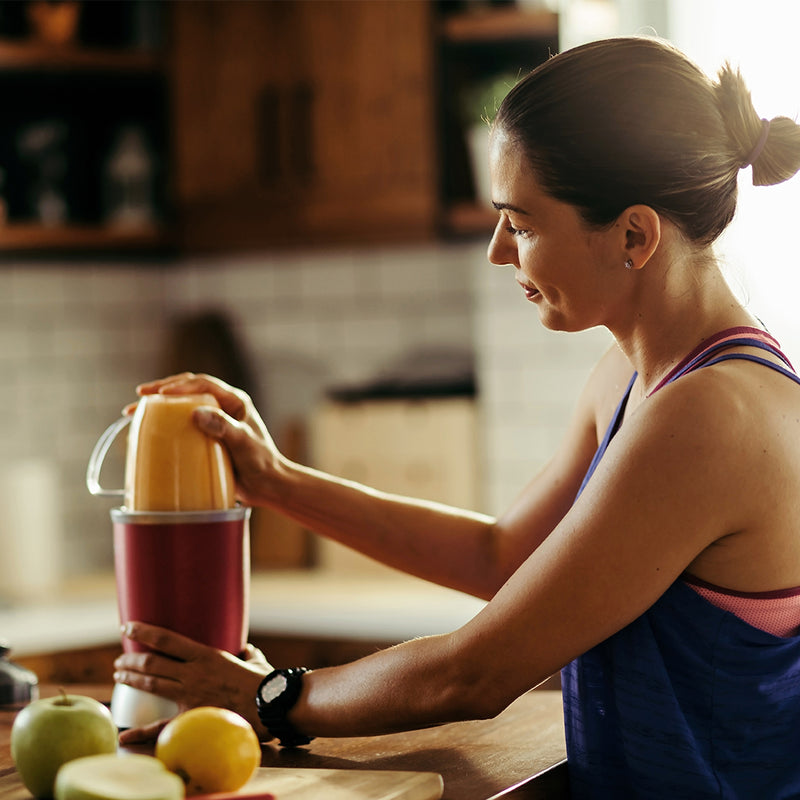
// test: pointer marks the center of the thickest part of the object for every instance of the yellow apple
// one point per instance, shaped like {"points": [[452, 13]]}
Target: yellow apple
{"points": [[212, 749]]}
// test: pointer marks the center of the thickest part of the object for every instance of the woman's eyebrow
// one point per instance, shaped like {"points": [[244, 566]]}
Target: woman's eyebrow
{"points": [[509, 207]]}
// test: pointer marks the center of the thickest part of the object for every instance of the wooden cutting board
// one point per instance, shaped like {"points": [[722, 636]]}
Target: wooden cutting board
{"points": [[286, 783]]}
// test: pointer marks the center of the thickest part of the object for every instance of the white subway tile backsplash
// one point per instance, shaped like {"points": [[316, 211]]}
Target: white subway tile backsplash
{"points": [[286, 282], [407, 273], [337, 280], [82, 340], [42, 286], [75, 340], [443, 327]]}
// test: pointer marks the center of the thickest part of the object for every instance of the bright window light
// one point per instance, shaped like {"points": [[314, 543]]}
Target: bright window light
{"points": [[761, 249]]}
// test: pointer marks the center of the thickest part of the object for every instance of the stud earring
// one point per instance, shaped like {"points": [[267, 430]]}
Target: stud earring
{"points": [[628, 264]]}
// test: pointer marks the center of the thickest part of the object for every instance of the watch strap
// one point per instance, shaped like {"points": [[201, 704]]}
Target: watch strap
{"points": [[274, 708]]}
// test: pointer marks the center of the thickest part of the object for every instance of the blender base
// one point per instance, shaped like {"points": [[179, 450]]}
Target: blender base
{"points": [[133, 708]]}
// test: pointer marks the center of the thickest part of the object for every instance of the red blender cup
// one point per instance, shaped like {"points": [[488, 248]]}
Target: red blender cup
{"points": [[181, 545]]}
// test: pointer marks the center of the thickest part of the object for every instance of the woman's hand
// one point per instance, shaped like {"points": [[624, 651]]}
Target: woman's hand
{"points": [[236, 424], [190, 674]]}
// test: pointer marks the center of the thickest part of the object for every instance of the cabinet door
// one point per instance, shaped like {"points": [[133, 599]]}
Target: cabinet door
{"points": [[303, 122], [419, 448]]}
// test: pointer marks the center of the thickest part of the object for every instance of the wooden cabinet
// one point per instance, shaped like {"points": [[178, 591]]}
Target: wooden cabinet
{"points": [[70, 92], [268, 123], [302, 122], [425, 448], [326, 121]]}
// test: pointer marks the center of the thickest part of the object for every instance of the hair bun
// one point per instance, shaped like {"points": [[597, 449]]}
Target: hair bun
{"points": [[759, 145], [770, 147]]}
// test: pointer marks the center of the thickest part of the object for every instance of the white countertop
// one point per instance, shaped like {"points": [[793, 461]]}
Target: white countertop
{"points": [[307, 603]]}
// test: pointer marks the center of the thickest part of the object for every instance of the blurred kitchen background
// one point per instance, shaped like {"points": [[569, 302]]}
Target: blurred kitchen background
{"points": [[284, 193]]}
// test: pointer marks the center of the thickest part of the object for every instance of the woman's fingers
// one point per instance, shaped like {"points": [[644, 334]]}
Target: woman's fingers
{"points": [[159, 672], [211, 422], [151, 663], [232, 401], [191, 673], [171, 644], [168, 688], [143, 735], [252, 655], [165, 672], [189, 382], [237, 435]]}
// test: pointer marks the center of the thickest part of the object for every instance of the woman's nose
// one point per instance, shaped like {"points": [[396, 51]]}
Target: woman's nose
{"points": [[501, 251]]}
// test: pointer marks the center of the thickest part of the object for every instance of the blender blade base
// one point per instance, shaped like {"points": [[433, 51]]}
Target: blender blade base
{"points": [[133, 708]]}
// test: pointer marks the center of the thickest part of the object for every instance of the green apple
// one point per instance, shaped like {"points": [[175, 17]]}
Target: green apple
{"points": [[115, 777], [53, 730]]}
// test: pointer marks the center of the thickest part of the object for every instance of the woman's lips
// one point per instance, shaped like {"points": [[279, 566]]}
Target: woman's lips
{"points": [[530, 292]]}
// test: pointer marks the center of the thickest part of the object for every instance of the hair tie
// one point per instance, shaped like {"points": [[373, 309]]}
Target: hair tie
{"points": [[759, 145]]}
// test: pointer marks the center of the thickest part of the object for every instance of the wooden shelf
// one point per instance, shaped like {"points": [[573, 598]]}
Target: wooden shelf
{"points": [[496, 24], [33, 236], [32, 55], [92, 92]]}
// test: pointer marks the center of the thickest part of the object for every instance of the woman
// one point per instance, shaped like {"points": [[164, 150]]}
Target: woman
{"points": [[656, 559]]}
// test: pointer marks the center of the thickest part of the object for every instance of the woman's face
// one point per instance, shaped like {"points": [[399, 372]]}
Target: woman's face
{"points": [[570, 272]]}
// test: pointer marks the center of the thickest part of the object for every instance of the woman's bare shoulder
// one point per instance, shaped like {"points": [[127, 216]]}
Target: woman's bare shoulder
{"points": [[732, 430]]}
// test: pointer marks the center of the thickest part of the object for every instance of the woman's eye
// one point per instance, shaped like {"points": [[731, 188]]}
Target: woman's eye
{"points": [[516, 231], [509, 227]]}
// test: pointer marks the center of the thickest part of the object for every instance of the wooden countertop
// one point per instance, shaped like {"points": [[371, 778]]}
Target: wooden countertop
{"points": [[519, 754]]}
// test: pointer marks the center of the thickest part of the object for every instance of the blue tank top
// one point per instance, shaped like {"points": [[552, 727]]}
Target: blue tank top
{"points": [[688, 700]]}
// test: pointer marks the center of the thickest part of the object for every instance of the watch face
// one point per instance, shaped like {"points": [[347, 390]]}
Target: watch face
{"points": [[275, 688]]}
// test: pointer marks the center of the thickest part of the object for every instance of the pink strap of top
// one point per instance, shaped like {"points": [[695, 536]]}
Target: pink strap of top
{"points": [[727, 338]]}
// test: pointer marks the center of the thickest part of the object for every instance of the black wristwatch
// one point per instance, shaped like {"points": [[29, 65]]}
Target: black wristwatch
{"points": [[275, 698]]}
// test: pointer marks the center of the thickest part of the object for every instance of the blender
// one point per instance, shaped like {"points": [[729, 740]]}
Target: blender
{"points": [[181, 544], [18, 685]]}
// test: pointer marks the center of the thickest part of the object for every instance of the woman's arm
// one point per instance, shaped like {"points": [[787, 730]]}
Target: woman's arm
{"points": [[670, 485], [452, 547]]}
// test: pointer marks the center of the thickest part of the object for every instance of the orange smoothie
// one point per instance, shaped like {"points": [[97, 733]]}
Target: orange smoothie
{"points": [[171, 465]]}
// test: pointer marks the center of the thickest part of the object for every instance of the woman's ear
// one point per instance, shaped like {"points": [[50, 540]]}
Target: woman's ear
{"points": [[641, 227]]}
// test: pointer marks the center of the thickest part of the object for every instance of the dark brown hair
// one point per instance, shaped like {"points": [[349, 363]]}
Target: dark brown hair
{"points": [[631, 120]]}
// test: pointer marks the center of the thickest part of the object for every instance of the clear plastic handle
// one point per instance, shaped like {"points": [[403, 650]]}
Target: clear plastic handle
{"points": [[99, 455]]}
